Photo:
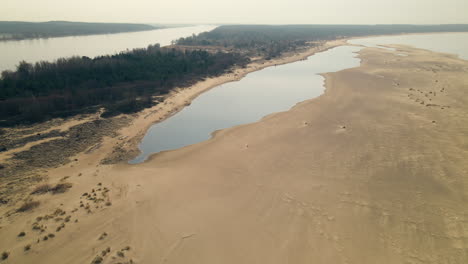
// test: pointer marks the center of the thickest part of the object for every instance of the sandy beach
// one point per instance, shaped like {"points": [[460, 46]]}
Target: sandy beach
{"points": [[372, 171]]}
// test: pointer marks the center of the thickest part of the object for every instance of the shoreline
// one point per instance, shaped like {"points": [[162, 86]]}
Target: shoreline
{"points": [[181, 97], [253, 67], [128, 148], [125, 146], [219, 196], [406, 34], [396, 45]]}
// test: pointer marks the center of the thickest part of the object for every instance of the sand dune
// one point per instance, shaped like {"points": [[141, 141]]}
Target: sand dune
{"points": [[365, 173]]}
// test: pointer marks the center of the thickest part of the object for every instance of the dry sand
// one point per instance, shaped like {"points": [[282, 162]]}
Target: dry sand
{"points": [[372, 171]]}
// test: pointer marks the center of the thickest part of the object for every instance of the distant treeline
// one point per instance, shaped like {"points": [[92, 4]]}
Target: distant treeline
{"points": [[122, 83], [10, 30], [271, 41]]}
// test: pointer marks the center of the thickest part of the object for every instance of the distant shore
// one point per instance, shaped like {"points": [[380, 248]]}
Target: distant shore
{"points": [[17, 30]]}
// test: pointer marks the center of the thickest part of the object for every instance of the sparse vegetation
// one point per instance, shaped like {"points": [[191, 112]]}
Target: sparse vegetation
{"points": [[120, 254], [102, 236], [60, 227], [97, 260], [28, 205], [41, 189], [21, 234], [58, 188], [64, 178], [59, 211], [27, 247], [61, 188], [5, 255]]}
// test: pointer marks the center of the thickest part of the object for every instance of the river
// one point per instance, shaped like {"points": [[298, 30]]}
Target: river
{"points": [[260, 93], [272, 90], [49, 49]]}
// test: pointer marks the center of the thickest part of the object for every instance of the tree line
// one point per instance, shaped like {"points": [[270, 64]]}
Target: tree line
{"points": [[13, 30], [272, 40], [124, 82]]}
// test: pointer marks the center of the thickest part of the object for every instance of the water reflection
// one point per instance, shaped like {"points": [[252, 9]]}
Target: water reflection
{"points": [[260, 93], [33, 50]]}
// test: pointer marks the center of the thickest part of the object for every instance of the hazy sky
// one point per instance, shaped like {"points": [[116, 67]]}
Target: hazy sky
{"points": [[240, 11]]}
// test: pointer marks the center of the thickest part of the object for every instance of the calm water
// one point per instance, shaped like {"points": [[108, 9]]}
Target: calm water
{"points": [[33, 50], [260, 93], [272, 90], [454, 43]]}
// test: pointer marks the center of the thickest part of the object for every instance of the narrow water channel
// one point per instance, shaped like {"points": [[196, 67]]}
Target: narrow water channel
{"points": [[260, 93], [274, 89]]}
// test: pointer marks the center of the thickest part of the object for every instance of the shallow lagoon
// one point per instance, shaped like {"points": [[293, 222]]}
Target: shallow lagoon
{"points": [[272, 90], [260, 93]]}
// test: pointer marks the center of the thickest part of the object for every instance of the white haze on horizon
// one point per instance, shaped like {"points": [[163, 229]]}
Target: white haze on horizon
{"points": [[240, 11]]}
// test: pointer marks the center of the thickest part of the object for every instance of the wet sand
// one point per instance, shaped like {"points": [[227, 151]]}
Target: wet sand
{"points": [[372, 171]]}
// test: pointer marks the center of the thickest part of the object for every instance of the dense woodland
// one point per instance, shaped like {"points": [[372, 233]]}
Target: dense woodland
{"points": [[122, 82], [270, 41], [11, 30]]}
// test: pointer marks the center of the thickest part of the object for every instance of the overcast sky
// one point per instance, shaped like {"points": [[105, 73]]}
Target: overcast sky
{"points": [[240, 11]]}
